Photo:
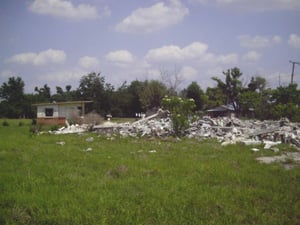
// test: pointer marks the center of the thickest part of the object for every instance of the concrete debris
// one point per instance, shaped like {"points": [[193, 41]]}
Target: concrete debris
{"points": [[90, 139], [88, 150], [270, 144], [227, 130], [70, 129], [287, 157]]}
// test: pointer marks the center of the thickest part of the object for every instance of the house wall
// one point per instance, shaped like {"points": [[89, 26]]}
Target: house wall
{"points": [[60, 113]]}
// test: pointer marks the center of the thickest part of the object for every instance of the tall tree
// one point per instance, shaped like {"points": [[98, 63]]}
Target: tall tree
{"points": [[172, 80], [91, 87], [195, 92], [152, 94], [231, 87], [257, 84], [12, 93], [44, 93]]}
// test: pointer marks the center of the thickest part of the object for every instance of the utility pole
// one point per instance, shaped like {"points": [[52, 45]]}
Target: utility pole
{"points": [[293, 70]]}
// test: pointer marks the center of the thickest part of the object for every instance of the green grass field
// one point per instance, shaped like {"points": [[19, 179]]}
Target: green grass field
{"points": [[65, 179]]}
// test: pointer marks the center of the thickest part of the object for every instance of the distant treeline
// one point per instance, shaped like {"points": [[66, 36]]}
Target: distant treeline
{"points": [[248, 100]]}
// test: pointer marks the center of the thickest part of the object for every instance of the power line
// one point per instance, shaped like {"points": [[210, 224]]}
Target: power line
{"points": [[293, 70]]}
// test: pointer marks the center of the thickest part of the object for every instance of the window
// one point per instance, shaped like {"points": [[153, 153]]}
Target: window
{"points": [[49, 112]]}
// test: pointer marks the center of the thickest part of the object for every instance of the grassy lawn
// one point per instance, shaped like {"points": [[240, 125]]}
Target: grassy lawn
{"points": [[65, 179]]}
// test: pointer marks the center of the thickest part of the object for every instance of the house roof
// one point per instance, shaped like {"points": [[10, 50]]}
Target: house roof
{"points": [[222, 108], [62, 103]]}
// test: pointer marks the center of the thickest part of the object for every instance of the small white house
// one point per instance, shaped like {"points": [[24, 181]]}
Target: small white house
{"points": [[59, 112]]}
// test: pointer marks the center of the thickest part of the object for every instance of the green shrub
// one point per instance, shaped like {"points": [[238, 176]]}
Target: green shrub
{"points": [[5, 123], [181, 110]]}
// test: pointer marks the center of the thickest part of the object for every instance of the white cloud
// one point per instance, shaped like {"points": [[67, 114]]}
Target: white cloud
{"points": [[229, 59], [294, 41], [6, 74], [153, 18], [173, 53], [258, 42], [170, 53], [65, 8], [120, 57], [251, 56], [41, 58], [188, 73], [255, 5], [62, 76], [88, 62]]}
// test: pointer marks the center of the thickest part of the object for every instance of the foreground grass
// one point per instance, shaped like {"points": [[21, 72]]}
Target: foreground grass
{"points": [[52, 179]]}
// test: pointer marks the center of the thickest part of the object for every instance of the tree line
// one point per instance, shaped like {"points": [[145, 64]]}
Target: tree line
{"points": [[248, 100]]}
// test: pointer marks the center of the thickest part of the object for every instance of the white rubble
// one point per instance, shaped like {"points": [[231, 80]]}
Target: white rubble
{"points": [[227, 130]]}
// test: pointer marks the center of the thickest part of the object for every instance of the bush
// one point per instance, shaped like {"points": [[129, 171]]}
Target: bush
{"points": [[181, 110], [5, 123], [92, 118]]}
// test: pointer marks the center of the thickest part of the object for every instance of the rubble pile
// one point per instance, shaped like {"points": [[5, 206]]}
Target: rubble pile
{"points": [[226, 130]]}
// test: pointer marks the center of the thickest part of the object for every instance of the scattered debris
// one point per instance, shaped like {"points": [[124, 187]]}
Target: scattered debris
{"points": [[152, 151], [88, 150], [70, 129], [60, 143], [90, 139], [289, 159]]}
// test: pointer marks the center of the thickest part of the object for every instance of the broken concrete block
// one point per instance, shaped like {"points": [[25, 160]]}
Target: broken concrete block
{"points": [[90, 139], [250, 142], [269, 144]]}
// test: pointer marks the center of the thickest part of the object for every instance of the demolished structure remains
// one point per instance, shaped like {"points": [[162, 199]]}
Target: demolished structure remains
{"points": [[227, 130]]}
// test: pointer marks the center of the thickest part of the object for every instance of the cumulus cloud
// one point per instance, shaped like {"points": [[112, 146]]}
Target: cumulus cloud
{"points": [[88, 62], [228, 59], [251, 56], [188, 73], [195, 51], [62, 76], [65, 8], [41, 58], [294, 41], [173, 53], [153, 18], [258, 42], [120, 57], [255, 5]]}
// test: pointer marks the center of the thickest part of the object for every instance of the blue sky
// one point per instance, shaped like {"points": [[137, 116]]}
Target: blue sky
{"points": [[56, 42]]}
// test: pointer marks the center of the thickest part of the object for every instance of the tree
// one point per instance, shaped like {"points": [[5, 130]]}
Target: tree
{"points": [[44, 93], [232, 87], [194, 91], [152, 95], [171, 80], [257, 84], [12, 93], [285, 102], [91, 87], [214, 97], [252, 100], [135, 89]]}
